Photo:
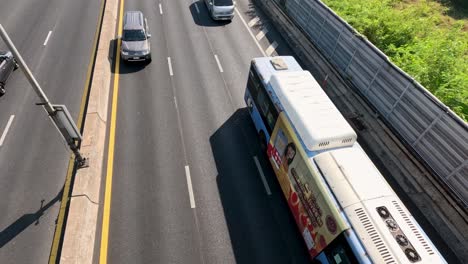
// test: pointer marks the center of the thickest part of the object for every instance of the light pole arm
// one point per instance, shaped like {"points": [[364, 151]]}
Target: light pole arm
{"points": [[22, 65], [65, 126]]}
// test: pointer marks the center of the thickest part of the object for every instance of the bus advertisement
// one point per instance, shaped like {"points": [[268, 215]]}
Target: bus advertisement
{"points": [[315, 213]]}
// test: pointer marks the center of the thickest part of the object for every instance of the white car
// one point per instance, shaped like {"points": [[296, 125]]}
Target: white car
{"points": [[221, 9]]}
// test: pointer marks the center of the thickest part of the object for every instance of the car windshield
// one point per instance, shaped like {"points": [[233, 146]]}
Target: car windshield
{"points": [[223, 3], [134, 35], [3, 55]]}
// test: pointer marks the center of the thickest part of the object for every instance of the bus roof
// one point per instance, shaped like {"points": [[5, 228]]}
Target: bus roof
{"points": [[387, 230], [266, 66], [317, 121]]}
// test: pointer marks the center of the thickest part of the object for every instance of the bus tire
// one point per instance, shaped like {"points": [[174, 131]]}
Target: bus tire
{"points": [[263, 144]]}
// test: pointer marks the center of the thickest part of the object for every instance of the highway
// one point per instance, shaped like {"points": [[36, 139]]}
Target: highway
{"points": [[55, 38], [187, 181]]}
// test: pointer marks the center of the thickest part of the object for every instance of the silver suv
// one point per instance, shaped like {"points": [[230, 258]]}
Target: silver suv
{"points": [[135, 38]]}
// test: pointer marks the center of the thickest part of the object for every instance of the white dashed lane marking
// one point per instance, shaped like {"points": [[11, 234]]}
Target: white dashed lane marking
{"points": [[169, 63], [2, 139], [47, 38], [189, 186], [219, 63]]}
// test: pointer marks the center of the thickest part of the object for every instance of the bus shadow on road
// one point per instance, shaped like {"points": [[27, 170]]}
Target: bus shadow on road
{"points": [[260, 226]]}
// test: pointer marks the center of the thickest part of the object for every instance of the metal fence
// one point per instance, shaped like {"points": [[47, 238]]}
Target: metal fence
{"points": [[434, 132]]}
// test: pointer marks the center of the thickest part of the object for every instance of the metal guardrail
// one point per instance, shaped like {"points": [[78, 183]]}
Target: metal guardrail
{"points": [[429, 127]]}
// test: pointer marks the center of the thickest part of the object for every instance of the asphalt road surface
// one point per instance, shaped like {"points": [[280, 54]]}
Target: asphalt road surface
{"points": [[186, 187], [33, 157]]}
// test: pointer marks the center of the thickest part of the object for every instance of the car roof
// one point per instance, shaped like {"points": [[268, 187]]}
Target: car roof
{"points": [[133, 20]]}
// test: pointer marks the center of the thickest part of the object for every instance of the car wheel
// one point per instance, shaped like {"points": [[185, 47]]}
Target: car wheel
{"points": [[16, 66], [149, 59], [2, 90]]}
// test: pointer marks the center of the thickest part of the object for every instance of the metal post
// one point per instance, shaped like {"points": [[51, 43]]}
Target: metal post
{"points": [[337, 43], [44, 101], [22, 65]]}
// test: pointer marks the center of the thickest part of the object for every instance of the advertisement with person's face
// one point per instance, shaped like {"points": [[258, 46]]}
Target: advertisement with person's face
{"points": [[314, 212]]}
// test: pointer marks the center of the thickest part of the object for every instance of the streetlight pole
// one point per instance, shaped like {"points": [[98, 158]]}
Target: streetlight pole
{"points": [[58, 113]]}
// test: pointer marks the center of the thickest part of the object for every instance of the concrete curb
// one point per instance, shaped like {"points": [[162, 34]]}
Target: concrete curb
{"points": [[79, 238]]}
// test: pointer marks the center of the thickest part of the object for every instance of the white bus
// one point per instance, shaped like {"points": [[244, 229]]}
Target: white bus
{"points": [[342, 205]]}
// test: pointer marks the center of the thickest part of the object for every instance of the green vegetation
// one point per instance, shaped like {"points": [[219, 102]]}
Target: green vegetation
{"points": [[425, 38]]}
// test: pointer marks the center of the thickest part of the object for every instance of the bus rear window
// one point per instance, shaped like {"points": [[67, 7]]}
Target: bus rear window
{"points": [[262, 99], [267, 109], [339, 251], [253, 82]]}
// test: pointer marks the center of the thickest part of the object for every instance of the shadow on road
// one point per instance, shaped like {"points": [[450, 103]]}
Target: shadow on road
{"points": [[132, 66], [202, 17], [25, 221], [260, 226]]}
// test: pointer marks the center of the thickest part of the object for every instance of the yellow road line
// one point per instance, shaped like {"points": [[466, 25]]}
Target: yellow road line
{"points": [[61, 216], [66, 188], [110, 155]]}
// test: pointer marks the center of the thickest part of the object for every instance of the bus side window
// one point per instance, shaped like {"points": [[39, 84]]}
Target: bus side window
{"points": [[267, 109], [253, 82], [262, 103], [271, 120]]}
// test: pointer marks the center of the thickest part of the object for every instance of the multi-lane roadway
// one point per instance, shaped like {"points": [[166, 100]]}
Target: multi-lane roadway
{"points": [[55, 38], [187, 181], [190, 183]]}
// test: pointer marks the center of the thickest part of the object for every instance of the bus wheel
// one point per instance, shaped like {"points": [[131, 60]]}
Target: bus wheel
{"points": [[263, 144]]}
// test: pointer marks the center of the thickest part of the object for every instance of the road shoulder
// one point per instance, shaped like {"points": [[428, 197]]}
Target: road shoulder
{"points": [[78, 245]]}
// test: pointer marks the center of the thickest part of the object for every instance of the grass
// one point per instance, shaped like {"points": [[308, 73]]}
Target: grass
{"points": [[426, 38]]}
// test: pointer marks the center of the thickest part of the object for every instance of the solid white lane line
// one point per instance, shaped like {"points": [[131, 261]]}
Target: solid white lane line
{"points": [[261, 34], [271, 48], [189, 185], [259, 168], [250, 32], [196, 7], [160, 9], [254, 21], [6, 129], [170, 66], [47, 38], [219, 63]]}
